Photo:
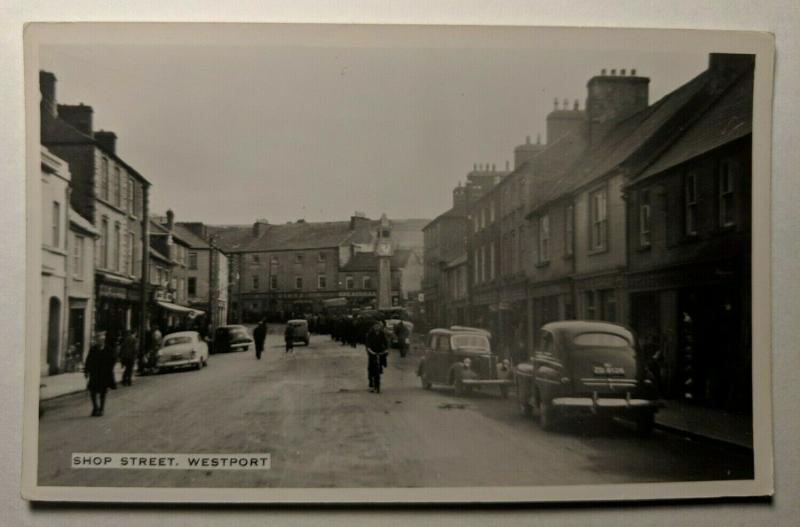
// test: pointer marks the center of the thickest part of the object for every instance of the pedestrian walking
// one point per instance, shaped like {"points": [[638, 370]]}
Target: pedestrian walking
{"points": [[128, 356], [259, 334], [377, 348], [99, 370], [401, 332], [288, 337]]}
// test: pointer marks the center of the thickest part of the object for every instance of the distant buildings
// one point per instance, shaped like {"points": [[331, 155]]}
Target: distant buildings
{"points": [[632, 212], [278, 270]]}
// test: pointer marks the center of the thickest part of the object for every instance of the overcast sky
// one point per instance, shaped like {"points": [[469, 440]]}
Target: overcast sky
{"points": [[228, 134]]}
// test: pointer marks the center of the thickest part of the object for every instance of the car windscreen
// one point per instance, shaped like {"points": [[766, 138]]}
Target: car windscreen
{"points": [[172, 341], [470, 342], [601, 340]]}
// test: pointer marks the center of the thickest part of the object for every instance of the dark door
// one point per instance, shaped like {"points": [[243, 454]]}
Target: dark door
{"points": [[75, 338], [53, 335]]}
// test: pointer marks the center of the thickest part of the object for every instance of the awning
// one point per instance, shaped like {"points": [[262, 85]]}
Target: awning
{"points": [[180, 309]]}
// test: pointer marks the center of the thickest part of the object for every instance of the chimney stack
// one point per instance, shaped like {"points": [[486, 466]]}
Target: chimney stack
{"points": [[47, 88], [170, 220], [107, 141], [78, 116], [611, 99]]}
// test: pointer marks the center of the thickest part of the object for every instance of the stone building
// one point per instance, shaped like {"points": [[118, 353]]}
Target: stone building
{"points": [[81, 248], [688, 224], [109, 193]]}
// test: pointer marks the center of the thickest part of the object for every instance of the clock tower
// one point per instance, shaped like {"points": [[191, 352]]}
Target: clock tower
{"points": [[383, 250]]}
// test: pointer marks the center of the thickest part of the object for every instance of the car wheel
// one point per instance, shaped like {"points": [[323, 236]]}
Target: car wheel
{"points": [[645, 423], [546, 415]]}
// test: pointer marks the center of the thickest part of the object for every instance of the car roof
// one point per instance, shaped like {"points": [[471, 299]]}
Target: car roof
{"points": [[232, 326], [575, 327], [450, 332], [297, 321], [469, 329]]}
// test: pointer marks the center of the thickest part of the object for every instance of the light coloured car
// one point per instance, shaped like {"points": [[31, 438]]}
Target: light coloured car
{"points": [[184, 349]]}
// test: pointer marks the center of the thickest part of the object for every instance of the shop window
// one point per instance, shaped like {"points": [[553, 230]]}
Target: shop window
{"points": [[544, 239], [589, 305], [569, 230]]}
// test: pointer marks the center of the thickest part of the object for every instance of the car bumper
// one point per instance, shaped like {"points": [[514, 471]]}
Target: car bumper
{"points": [[179, 363], [605, 404], [239, 347]]}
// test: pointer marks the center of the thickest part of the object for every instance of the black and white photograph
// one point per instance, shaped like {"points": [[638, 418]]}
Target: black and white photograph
{"points": [[363, 263]]}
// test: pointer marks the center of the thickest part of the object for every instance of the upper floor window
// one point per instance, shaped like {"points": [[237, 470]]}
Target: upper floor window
{"points": [[273, 261], [544, 239], [298, 282], [255, 282], [193, 260], [726, 196], [569, 230], [77, 257], [117, 187], [644, 219], [298, 258], [322, 257], [366, 282], [598, 203], [491, 213], [117, 247], [690, 203], [492, 258], [129, 196], [192, 286], [348, 282], [131, 253], [104, 243], [273, 282], [322, 281], [256, 259], [104, 178], [476, 267], [56, 227], [477, 222]]}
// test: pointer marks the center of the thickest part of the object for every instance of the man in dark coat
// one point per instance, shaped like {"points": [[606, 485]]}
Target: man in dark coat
{"points": [[259, 334], [128, 356], [99, 369], [377, 348], [401, 332], [288, 337]]}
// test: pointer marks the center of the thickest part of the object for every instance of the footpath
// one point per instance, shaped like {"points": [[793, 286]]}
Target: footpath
{"points": [[62, 384]]}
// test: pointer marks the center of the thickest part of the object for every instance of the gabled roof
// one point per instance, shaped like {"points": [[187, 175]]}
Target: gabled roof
{"points": [[369, 261], [729, 119], [156, 229]]}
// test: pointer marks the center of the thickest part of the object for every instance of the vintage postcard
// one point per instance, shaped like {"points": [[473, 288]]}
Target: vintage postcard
{"points": [[396, 264]]}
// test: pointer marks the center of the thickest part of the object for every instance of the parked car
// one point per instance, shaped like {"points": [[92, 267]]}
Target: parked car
{"points": [[230, 338], [182, 349], [586, 367], [300, 326], [464, 360]]}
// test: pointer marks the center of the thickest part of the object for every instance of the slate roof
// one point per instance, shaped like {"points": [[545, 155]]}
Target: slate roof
{"points": [[369, 261], [81, 223], [449, 214], [730, 118], [194, 241]]}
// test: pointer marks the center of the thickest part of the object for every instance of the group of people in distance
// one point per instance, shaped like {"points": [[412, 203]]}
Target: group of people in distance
{"points": [[260, 336]]}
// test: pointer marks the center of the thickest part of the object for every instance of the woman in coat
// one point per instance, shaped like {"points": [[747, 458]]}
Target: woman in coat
{"points": [[99, 370]]}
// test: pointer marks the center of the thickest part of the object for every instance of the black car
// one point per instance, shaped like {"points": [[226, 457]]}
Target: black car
{"points": [[586, 367], [230, 338]]}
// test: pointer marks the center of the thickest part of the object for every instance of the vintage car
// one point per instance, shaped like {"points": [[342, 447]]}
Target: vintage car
{"points": [[586, 367], [300, 326], [230, 338], [462, 359], [182, 349]]}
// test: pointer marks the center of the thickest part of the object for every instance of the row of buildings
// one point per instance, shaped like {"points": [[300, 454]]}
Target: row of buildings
{"points": [[630, 212], [297, 268], [107, 263]]}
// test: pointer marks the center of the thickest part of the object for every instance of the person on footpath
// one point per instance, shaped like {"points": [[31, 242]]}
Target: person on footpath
{"points": [[127, 357], [99, 370], [402, 334], [377, 348], [259, 334], [288, 337]]}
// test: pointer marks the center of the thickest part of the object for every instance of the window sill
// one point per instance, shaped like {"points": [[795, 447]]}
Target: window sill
{"points": [[594, 252]]}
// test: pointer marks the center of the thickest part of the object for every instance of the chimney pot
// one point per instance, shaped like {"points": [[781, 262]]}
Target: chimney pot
{"points": [[622, 72], [107, 140], [633, 72], [555, 103], [170, 219], [613, 72], [508, 165], [575, 106], [603, 71]]}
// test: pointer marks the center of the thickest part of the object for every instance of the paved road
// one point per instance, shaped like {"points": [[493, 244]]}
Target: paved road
{"points": [[313, 413]]}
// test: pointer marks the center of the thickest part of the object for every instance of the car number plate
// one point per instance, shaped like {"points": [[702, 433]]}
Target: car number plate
{"points": [[608, 370]]}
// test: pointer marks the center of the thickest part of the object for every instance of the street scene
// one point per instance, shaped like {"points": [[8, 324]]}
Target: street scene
{"points": [[279, 252], [313, 412]]}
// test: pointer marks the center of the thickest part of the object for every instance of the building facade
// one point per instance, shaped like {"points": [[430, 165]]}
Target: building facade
{"points": [[81, 248], [55, 180]]}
